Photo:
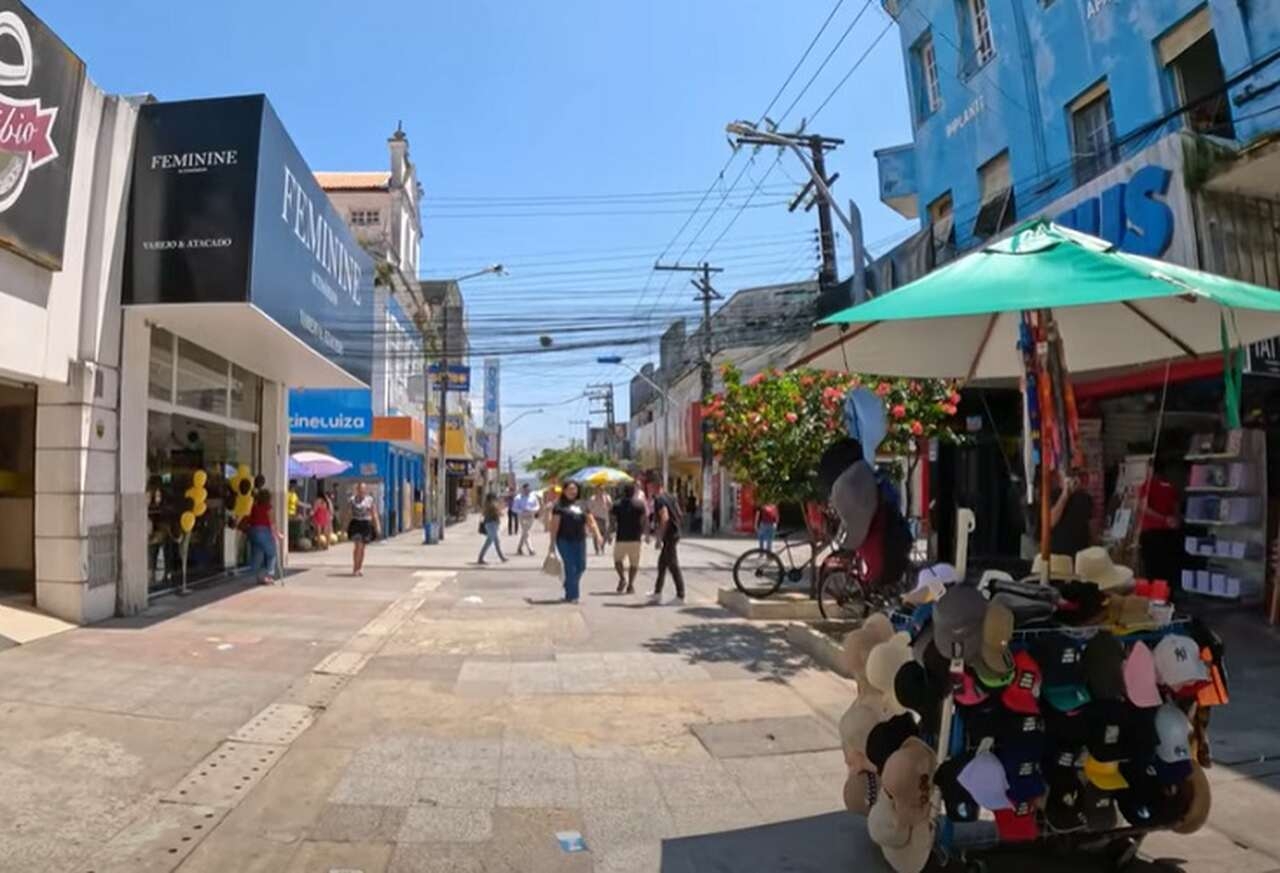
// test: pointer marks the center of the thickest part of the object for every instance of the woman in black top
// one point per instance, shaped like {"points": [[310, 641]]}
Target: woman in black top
{"points": [[570, 523]]}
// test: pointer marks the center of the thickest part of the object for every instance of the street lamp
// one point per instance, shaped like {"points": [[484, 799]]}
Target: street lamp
{"points": [[502, 426], [441, 471], [666, 412]]}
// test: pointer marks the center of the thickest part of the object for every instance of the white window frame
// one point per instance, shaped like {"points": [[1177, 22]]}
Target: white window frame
{"points": [[984, 47], [1089, 99], [929, 73], [171, 407]]}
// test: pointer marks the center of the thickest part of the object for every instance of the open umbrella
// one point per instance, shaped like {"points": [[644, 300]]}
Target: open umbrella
{"points": [[597, 476], [304, 465], [1111, 309]]}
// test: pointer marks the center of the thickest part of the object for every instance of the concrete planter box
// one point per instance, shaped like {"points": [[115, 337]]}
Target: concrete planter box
{"points": [[821, 641], [783, 606]]}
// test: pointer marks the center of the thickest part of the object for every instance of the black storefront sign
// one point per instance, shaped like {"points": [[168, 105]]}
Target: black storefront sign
{"points": [[40, 84], [1264, 358], [225, 210]]}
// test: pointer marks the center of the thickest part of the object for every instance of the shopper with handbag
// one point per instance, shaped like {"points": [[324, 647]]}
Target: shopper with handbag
{"points": [[491, 527], [570, 524]]}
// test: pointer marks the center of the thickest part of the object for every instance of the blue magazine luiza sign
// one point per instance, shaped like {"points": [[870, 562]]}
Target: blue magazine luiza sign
{"points": [[336, 412], [225, 210]]}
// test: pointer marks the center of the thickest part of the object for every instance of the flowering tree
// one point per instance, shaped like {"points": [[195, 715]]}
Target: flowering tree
{"points": [[771, 429]]}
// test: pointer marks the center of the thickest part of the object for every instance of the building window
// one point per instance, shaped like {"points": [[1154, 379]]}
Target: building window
{"points": [[928, 90], [1093, 130], [980, 20], [998, 207], [942, 223], [1189, 52], [365, 218]]}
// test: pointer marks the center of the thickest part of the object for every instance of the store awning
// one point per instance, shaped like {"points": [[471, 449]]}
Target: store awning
{"points": [[243, 333], [399, 430]]}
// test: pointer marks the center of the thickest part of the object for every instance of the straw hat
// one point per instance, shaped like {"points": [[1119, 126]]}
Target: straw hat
{"points": [[1094, 565]]}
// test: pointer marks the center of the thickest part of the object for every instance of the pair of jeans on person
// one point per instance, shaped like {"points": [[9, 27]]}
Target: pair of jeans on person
{"points": [[669, 559], [262, 550], [765, 534], [491, 539], [573, 559]]}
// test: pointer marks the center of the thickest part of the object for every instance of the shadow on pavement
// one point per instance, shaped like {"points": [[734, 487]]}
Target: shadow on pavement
{"points": [[761, 650], [172, 605]]}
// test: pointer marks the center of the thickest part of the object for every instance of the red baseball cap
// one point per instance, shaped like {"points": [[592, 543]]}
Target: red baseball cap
{"points": [[1017, 825], [1022, 695]]}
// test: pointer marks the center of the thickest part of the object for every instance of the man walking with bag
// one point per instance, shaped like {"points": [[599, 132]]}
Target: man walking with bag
{"points": [[669, 519], [526, 506], [630, 522]]}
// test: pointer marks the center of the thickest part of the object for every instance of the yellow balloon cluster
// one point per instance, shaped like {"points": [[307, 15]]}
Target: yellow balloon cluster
{"points": [[242, 488], [196, 497]]}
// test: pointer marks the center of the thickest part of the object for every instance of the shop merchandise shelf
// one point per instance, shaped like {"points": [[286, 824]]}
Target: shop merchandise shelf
{"points": [[1240, 492], [1214, 456]]}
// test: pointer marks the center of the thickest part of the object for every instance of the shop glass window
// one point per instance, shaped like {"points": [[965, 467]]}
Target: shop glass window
{"points": [[1093, 129], [1189, 53], [245, 387], [998, 207], [160, 379], [202, 379]]}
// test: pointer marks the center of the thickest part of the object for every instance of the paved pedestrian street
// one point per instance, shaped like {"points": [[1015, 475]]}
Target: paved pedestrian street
{"points": [[447, 718]]}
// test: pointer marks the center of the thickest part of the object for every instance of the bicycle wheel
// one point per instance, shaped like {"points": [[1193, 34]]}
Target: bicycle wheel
{"points": [[758, 573], [840, 593]]}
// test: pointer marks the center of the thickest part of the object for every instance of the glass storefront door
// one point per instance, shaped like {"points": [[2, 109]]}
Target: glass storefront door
{"points": [[17, 488], [204, 415]]}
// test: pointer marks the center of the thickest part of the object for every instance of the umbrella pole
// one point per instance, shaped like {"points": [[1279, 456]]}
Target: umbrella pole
{"points": [[1046, 475]]}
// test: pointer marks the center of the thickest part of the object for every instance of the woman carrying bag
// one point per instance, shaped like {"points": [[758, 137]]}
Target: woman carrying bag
{"points": [[569, 526]]}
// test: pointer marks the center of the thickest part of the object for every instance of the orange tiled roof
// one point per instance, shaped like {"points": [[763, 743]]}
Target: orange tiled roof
{"points": [[353, 181]]}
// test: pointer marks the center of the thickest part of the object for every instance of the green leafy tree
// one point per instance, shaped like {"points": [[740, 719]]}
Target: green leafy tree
{"points": [[770, 430], [556, 464]]}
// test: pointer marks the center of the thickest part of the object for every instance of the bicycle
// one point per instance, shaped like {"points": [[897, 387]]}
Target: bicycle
{"points": [[759, 573], [845, 594]]}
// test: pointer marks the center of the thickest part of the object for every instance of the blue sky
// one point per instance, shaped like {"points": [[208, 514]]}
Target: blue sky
{"points": [[510, 104]]}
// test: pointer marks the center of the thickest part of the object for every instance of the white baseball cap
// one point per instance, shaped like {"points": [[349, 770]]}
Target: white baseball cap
{"points": [[1173, 729], [1178, 662]]}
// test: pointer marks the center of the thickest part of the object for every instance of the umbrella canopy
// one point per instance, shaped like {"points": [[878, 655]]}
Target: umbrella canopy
{"points": [[307, 464], [1112, 310], [600, 476]]}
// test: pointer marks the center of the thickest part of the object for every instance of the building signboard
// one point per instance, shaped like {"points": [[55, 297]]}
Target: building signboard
{"points": [[459, 377], [224, 210], [331, 412], [491, 390], [40, 84]]}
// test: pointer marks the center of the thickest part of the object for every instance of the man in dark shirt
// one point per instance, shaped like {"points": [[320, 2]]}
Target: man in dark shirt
{"points": [[667, 512], [1070, 515], [630, 521]]}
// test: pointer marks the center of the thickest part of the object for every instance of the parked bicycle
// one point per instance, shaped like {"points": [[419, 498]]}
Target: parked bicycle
{"points": [[760, 573]]}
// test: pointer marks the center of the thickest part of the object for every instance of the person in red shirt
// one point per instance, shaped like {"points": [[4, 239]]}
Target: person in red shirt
{"points": [[1160, 540], [260, 527], [766, 525]]}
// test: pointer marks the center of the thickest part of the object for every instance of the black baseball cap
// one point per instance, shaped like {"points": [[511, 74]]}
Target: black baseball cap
{"points": [[1061, 660], [916, 690], [1098, 807], [960, 805], [1022, 772], [1081, 601], [1067, 730], [1108, 727], [887, 737], [1104, 667], [1063, 807], [1145, 803]]}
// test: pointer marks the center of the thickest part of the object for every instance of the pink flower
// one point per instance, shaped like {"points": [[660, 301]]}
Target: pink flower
{"points": [[917, 428], [899, 411], [792, 417], [954, 398], [883, 389], [756, 379], [949, 409]]}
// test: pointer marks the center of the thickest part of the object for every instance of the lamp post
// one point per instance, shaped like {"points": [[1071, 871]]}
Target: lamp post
{"points": [[666, 412], [441, 471], [502, 426]]}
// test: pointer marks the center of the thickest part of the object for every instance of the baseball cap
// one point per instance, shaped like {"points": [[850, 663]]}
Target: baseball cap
{"points": [[959, 803], [859, 642], [957, 623], [1018, 824], [938, 667], [883, 664], [1140, 676], [1108, 725], [1022, 772], [914, 855], [1065, 698], [1069, 731], [1098, 807], [1172, 773], [1022, 694], [860, 790], [855, 725], [970, 693], [1081, 602], [997, 631], [932, 583], [1195, 799], [1178, 662], [915, 690], [908, 781], [1062, 809], [887, 737], [884, 827], [1173, 733], [1143, 803], [1104, 667], [1061, 661], [983, 777], [1104, 774], [1026, 609]]}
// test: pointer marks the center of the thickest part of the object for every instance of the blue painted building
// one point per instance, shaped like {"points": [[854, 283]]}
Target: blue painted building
{"points": [[1124, 118]]}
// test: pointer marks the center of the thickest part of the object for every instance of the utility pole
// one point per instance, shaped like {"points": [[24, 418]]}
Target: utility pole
{"points": [[585, 422], [818, 147], [603, 394], [706, 294]]}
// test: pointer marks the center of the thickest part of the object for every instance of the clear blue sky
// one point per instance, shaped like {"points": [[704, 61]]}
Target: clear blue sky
{"points": [[504, 100]]}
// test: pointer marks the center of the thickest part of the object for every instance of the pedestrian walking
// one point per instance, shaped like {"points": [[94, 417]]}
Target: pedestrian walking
{"points": [[491, 524], [570, 524], [630, 518], [601, 504], [363, 526], [528, 507], [513, 517], [766, 525], [667, 510], [260, 527], [322, 518]]}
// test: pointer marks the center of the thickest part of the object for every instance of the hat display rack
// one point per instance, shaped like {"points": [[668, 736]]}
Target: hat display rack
{"points": [[1100, 765]]}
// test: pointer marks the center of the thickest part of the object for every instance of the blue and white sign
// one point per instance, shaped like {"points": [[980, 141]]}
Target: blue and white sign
{"points": [[1133, 215], [491, 399], [334, 412], [459, 377]]}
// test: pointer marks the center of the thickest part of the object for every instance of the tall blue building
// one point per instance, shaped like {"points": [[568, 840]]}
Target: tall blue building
{"points": [[1152, 123]]}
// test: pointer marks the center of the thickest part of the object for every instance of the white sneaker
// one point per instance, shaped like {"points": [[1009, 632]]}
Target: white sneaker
{"points": [[679, 601], [655, 599]]}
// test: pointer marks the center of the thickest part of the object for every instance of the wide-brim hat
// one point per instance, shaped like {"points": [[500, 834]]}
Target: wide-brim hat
{"points": [[1094, 564]]}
